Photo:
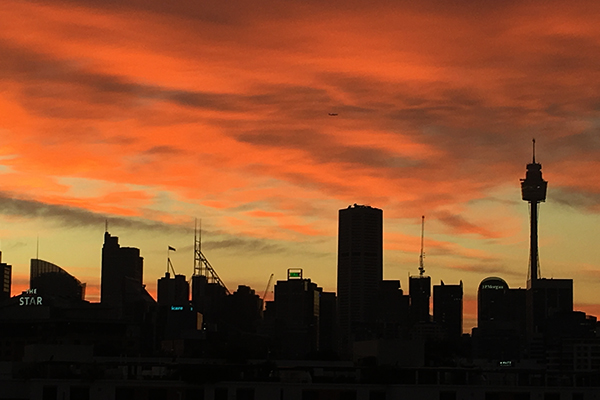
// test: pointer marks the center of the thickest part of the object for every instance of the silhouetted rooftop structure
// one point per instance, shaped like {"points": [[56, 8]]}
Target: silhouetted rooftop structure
{"points": [[51, 280]]}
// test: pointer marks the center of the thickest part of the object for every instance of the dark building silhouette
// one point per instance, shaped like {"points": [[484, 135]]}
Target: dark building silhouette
{"points": [[120, 266], [122, 285], [176, 317], [448, 309], [392, 310], [360, 271], [242, 310], [50, 280], [419, 287], [328, 331], [546, 299], [173, 291], [501, 321], [207, 299], [6, 272], [296, 317]]}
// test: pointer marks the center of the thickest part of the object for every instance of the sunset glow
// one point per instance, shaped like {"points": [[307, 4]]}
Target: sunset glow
{"points": [[150, 114]]}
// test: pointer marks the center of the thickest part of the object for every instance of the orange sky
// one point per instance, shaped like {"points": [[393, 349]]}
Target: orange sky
{"points": [[152, 113]]}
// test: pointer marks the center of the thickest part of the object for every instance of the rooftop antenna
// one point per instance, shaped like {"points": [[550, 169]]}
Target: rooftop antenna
{"points": [[202, 266], [533, 140], [422, 256], [106, 225]]}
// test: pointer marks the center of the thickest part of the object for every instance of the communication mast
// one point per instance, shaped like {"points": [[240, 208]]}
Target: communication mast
{"points": [[422, 256], [533, 190], [202, 266]]}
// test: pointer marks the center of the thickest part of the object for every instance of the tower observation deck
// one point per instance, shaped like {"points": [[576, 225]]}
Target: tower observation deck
{"points": [[533, 189]]}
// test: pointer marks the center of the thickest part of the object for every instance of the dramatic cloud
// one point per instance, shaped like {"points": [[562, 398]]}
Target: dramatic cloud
{"points": [[266, 118], [75, 217]]}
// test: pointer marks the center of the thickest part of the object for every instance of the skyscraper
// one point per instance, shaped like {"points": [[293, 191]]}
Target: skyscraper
{"points": [[122, 278], [360, 271], [501, 320]]}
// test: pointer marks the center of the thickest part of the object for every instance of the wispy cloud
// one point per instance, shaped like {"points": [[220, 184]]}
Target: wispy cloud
{"points": [[76, 217]]}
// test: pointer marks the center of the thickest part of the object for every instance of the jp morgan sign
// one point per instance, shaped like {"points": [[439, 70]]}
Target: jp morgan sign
{"points": [[493, 286], [30, 298]]}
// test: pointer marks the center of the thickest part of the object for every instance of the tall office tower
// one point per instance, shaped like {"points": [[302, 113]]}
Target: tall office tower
{"points": [[501, 320], [492, 304], [533, 190], [297, 307], [6, 273], [448, 309], [52, 281], [122, 272], [360, 271]]}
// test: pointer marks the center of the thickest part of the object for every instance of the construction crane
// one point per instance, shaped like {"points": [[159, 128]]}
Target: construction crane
{"points": [[201, 264], [264, 296], [268, 285]]}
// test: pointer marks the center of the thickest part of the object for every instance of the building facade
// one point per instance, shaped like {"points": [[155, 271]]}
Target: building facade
{"points": [[360, 271]]}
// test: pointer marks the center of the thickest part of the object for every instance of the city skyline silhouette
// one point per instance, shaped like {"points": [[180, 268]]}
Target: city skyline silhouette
{"points": [[264, 121]]}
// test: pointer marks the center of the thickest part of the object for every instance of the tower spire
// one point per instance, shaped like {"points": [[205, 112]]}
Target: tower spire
{"points": [[422, 256], [533, 190]]}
